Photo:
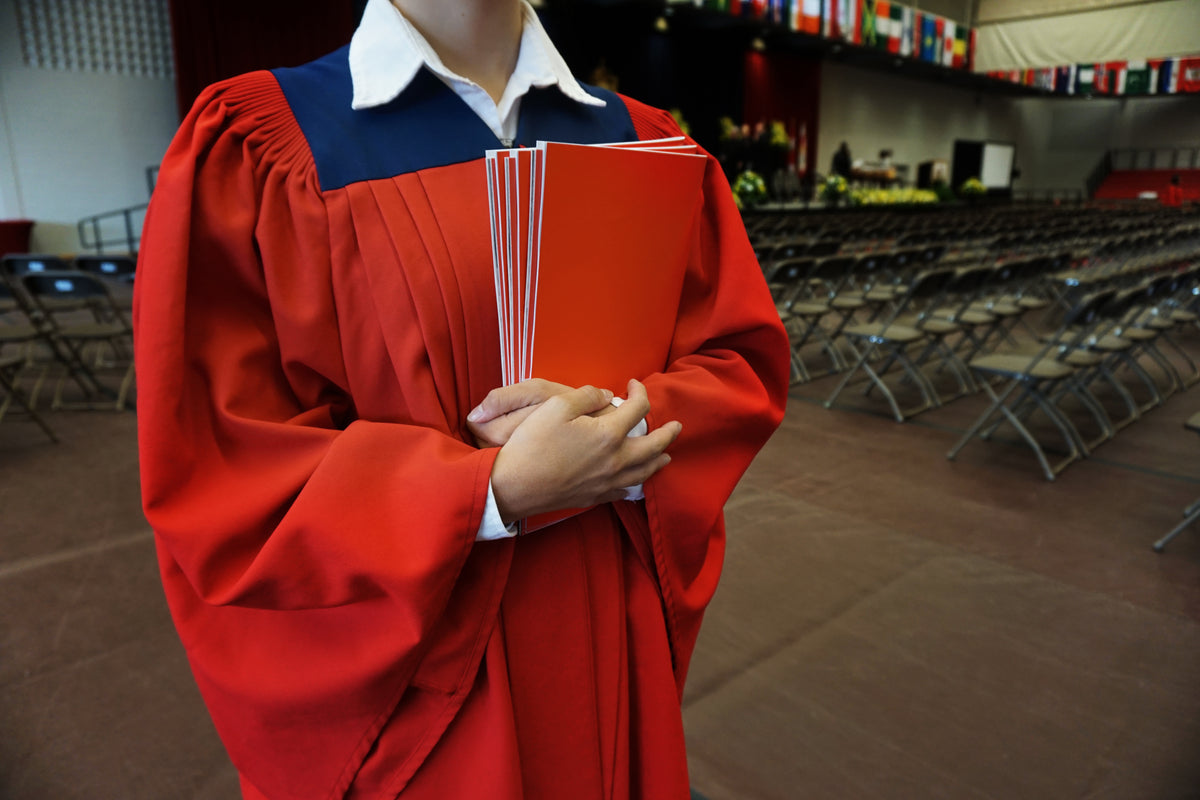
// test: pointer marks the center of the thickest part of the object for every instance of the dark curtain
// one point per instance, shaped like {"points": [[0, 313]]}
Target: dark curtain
{"points": [[785, 87], [216, 39]]}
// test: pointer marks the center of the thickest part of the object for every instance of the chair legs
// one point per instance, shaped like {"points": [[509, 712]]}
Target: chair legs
{"points": [[12, 392], [999, 411], [1190, 515], [911, 370]]}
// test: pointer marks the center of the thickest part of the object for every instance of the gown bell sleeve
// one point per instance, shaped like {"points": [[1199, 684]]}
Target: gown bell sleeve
{"points": [[258, 480], [267, 491]]}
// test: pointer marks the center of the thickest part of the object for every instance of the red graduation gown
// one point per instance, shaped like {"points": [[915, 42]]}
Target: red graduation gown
{"points": [[306, 359]]}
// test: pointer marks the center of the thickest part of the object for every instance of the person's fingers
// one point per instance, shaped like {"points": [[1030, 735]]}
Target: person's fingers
{"points": [[506, 399], [578, 402], [646, 448], [632, 411], [496, 432], [635, 476]]}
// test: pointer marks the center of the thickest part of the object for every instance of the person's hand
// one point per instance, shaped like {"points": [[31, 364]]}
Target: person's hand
{"points": [[498, 415], [560, 456]]}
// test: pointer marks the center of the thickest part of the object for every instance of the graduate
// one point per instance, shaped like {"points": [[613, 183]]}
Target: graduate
{"points": [[333, 471]]}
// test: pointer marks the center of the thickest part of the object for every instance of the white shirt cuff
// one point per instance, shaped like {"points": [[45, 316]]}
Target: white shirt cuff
{"points": [[491, 527], [641, 429]]}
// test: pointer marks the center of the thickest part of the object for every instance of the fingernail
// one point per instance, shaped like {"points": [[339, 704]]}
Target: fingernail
{"points": [[608, 396], [475, 414]]}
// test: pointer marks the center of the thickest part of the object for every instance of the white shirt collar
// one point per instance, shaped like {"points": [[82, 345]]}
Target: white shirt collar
{"points": [[387, 51]]}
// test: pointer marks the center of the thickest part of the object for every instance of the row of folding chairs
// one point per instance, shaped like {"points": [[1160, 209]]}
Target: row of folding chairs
{"points": [[65, 321], [1108, 352], [1112, 357], [825, 301]]}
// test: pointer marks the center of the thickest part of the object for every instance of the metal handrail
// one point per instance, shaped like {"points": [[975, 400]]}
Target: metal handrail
{"points": [[92, 234], [1173, 157]]}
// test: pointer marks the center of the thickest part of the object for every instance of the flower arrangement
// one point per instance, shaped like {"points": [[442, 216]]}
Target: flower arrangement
{"points": [[728, 129], [749, 189], [891, 197], [972, 187], [779, 135], [833, 189], [677, 114]]}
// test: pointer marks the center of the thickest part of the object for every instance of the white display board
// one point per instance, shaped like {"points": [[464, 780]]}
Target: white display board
{"points": [[996, 170]]}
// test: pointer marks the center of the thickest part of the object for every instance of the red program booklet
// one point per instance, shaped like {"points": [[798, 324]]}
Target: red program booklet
{"points": [[590, 244]]}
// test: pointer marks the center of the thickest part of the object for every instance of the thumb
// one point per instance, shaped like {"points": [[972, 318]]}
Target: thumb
{"points": [[506, 399]]}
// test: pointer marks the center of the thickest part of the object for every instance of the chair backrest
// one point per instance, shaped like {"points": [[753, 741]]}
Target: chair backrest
{"points": [[925, 288], [25, 263], [112, 267], [789, 250], [834, 272], [63, 285], [787, 272], [930, 283], [903, 260], [825, 247], [967, 283], [868, 268]]}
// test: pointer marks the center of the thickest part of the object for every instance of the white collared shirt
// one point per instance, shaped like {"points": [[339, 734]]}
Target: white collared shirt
{"points": [[387, 51]]}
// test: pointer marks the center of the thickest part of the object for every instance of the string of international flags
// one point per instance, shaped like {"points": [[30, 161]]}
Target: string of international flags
{"points": [[933, 39], [1179, 75], [881, 24]]}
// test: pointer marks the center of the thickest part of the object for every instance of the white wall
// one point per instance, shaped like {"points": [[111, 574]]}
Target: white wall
{"points": [[73, 144], [918, 121], [1066, 138]]}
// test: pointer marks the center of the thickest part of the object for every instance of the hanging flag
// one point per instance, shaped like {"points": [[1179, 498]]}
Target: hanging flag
{"points": [[1085, 79], [918, 25], [777, 12], [883, 23], [929, 39], [1189, 74], [851, 21], [971, 50], [948, 44], [1044, 79], [811, 17], [895, 29], [1135, 79], [1168, 76], [867, 23], [1117, 71], [1154, 65], [1064, 79], [1101, 82], [829, 19], [906, 20], [939, 32], [960, 47], [860, 25]]}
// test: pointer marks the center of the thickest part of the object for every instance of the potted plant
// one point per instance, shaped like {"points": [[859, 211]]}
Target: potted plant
{"points": [[834, 189], [749, 189]]}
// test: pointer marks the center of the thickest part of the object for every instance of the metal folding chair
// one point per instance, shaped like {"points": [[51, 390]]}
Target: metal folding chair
{"points": [[1037, 381], [1192, 512]]}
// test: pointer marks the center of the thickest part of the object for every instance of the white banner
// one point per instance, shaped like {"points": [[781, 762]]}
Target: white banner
{"points": [[1153, 30]]}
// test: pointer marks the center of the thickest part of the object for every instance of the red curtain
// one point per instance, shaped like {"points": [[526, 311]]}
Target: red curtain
{"points": [[785, 87], [216, 39]]}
